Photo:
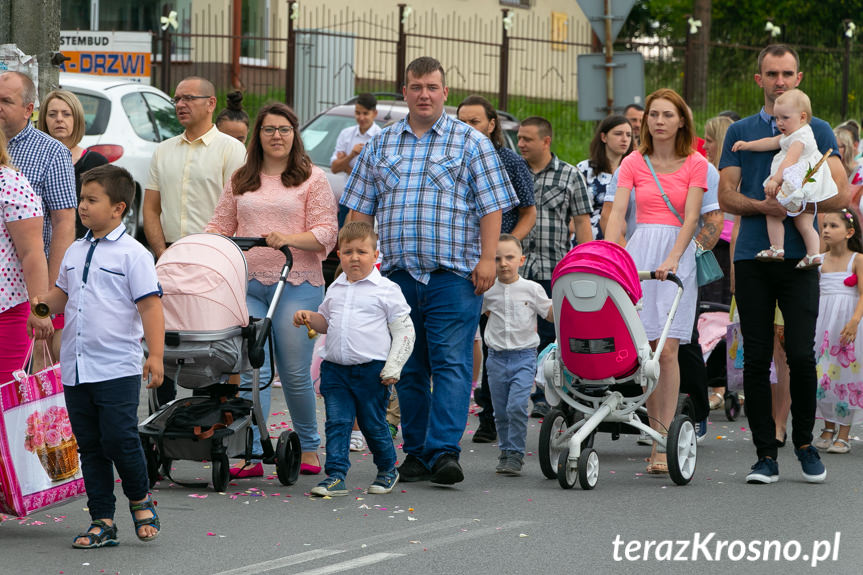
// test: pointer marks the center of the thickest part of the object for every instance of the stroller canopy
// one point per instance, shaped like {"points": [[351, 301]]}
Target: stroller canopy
{"points": [[204, 282], [603, 258]]}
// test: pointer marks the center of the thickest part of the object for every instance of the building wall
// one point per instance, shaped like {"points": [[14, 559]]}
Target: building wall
{"points": [[360, 41]]}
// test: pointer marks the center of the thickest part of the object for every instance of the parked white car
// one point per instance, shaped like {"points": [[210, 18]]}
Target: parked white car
{"points": [[125, 122]]}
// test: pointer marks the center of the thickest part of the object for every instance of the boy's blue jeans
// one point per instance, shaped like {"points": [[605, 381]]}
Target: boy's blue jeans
{"points": [[104, 418], [355, 391], [510, 379]]}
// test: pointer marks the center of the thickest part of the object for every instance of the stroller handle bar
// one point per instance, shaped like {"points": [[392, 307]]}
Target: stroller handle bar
{"points": [[652, 276], [246, 244]]}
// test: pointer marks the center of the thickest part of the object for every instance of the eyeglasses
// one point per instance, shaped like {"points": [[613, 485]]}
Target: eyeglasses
{"points": [[188, 99], [283, 130]]}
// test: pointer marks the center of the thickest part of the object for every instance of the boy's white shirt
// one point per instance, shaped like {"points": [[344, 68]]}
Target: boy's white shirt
{"points": [[350, 137], [102, 336], [358, 316], [513, 309]]}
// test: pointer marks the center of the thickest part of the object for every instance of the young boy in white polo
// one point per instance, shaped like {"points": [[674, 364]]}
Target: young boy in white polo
{"points": [[108, 289], [352, 139], [370, 337], [512, 305]]}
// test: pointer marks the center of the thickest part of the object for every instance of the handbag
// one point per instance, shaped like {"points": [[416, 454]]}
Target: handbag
{"points": [[706, 267], [39, 464]]}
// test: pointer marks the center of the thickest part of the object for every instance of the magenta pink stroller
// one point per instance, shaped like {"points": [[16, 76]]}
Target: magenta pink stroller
{"points": [[603, 367]]}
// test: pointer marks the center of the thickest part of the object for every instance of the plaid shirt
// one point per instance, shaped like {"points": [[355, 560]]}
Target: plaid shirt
{"points": [[47, 165], [560, 194], [428, 195]]}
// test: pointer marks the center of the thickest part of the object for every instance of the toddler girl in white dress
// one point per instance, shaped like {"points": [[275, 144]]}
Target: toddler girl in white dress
{"points": [[797, 176]]}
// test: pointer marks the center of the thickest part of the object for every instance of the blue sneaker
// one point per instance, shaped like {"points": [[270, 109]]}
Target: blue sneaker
{"points": [[332, 486], [384, 482], [701, 430], [765, 471], [810, 461]]}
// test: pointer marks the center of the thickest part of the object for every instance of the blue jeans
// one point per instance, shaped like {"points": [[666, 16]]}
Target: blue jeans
{"points": [[355, 392], [104, 418], [510, 378], [293, 350], [445, 314]]}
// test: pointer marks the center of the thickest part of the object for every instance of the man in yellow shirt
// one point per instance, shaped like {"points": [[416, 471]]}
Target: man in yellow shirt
{"points": [[187, 175], [188, 172]]}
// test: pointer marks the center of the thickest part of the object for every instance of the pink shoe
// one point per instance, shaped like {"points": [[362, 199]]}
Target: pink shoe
{"points": [[308, 469], [256, 470]]}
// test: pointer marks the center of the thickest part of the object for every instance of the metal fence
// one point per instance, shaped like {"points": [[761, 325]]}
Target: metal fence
{"points": [[313, 57]]}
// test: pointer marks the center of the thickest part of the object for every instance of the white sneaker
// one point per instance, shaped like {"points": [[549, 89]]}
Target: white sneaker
{"points": [[358, 442]]}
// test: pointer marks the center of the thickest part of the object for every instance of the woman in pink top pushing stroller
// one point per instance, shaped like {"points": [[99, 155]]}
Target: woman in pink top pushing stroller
{"points": [[669, 180], [280, 195]]}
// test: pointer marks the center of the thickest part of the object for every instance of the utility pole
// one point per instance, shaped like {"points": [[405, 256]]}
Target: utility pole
{"points": [[34, 26]]}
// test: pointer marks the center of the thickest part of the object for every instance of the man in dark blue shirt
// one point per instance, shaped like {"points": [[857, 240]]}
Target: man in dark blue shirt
{"points": [[760, 285]]}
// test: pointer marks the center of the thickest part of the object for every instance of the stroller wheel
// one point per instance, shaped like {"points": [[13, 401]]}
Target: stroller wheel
{"points": [[151, 455], [221, 473], [288, 457], [567, 473], [685, 406], [732, 406], [588, 469], [681, 447], [554, 425]]}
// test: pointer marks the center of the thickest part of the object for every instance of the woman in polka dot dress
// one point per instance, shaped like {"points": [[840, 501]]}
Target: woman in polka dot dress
{"points": [[23, 267]]}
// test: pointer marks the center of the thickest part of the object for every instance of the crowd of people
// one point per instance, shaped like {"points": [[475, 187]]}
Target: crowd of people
{"points": [[446, 237]]}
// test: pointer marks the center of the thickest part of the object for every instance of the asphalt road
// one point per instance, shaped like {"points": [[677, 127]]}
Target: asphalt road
{"points": [[487, 524]]}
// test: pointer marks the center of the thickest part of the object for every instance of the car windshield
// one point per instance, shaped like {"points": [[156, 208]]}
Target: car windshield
{"points": [[97, 110], [320, 136], [164, 115]]}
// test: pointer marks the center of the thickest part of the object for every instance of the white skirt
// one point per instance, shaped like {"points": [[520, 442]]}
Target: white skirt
{"points": [[649, 247]]}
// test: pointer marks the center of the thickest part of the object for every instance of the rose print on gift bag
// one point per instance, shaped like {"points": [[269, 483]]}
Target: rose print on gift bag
{"points": [[49, 437]]}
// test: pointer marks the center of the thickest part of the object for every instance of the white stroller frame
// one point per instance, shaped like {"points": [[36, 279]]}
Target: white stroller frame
{"points": [[576, 460]]}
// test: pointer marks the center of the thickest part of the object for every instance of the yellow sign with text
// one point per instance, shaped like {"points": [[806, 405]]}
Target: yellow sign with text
{"points": [[124, 64]]}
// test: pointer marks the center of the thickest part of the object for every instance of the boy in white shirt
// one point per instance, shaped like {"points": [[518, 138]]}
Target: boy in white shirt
{"points": [[351, 140], [109, 291], [363, 314], [512, 305]]}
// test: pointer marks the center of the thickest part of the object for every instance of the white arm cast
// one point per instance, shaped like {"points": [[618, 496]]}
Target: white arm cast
{"points": [[402, 332]]}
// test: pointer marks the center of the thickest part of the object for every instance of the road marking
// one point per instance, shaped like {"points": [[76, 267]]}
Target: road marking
{"points": [[352, 563], [265, 566], [419, 530]]}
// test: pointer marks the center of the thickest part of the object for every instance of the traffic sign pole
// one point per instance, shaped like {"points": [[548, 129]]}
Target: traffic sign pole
{"points": [[609, 57]]}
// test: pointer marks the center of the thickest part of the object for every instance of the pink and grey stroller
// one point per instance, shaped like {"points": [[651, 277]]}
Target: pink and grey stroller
{"points": [[208, 335], [603, 368]]}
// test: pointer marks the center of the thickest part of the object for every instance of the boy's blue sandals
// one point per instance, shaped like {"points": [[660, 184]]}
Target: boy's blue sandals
{"points": [[153, 520], [105, 537]]}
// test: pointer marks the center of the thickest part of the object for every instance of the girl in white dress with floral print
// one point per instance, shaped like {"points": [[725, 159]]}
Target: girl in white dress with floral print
{"points": [[838, 331]]}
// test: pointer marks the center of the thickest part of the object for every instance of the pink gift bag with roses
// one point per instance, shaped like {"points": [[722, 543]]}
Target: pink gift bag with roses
{"points": [[39, 465]]}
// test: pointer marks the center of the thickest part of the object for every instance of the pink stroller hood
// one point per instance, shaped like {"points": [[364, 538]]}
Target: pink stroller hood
{"points": [[606, 259], [204, 282]]}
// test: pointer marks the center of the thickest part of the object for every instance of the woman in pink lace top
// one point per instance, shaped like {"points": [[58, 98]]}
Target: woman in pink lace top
{"points": [[280, 195]]}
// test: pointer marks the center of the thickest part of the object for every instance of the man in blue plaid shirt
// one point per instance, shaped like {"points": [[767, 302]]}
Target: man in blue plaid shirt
{"points": [[438, 190], [45, 162]]}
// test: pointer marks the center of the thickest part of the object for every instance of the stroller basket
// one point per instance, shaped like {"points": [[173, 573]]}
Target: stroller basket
{"points": [[193, 425]]}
